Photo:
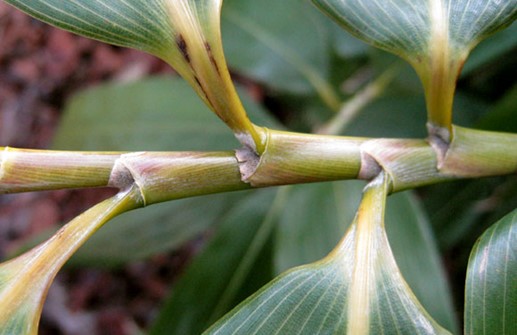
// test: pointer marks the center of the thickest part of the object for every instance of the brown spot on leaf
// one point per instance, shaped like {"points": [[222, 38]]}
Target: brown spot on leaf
{"points": [[182, 45], [208, 49]]}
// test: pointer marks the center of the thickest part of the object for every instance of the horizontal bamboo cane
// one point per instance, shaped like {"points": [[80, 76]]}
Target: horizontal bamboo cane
{"points": [[288, 158]]}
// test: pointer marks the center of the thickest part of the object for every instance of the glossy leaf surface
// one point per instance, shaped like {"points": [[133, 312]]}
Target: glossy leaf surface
{"points": [[491, 287], [357, 289]]}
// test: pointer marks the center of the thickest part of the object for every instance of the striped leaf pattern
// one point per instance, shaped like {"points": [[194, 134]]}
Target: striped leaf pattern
{"points": [[142, 25], [357, 289], [406, 27], [491, 288], [184, 33], [25, 280], [435, 36]]}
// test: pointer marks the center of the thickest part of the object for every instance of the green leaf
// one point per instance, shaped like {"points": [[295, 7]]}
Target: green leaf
{"points": [[502, 117], [398, 111], [491, 288], [314, 218], [356, 289], [130, 23], [148, 231], [186, 34], [159, 113], [346, 45], [435, 36], [490, 50], [285, 52], [25, 280], [413, 244], [391, 115], [460, 212], [407, 28], [332, 205], [221, 269]]}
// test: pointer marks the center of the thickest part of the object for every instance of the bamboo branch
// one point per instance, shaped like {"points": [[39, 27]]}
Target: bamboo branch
{"points": [[476, 153], [292, 158], [288, 158], [175, 175], [24, 170], [409, 163]]}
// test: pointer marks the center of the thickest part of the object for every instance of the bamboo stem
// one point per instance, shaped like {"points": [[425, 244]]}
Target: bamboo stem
{"points": [[174, 175], [288, 158], [409, 163], [24, 170], [292, 158], [476, 153]]}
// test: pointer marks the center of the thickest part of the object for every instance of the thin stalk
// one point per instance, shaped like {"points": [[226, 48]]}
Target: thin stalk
{"points": [[352, 107], [409, 163], [175, 175], [197, 54], [288, 158], [369, 224], [439, 71], [324, 89]]}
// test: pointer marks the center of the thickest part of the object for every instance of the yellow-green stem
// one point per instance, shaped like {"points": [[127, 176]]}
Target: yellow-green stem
{"points": [[291, 158], [288, 158], [33, 170], [476, 153], [409, 163], [167, 176]]}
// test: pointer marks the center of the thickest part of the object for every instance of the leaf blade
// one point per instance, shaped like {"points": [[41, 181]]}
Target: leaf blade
{"points": [[299, 301], [434, 36], [409, 229], [100, 21], [185, 34], [284, 54], [25, 280], [298, 240], [491, 289], [315, 215]]}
